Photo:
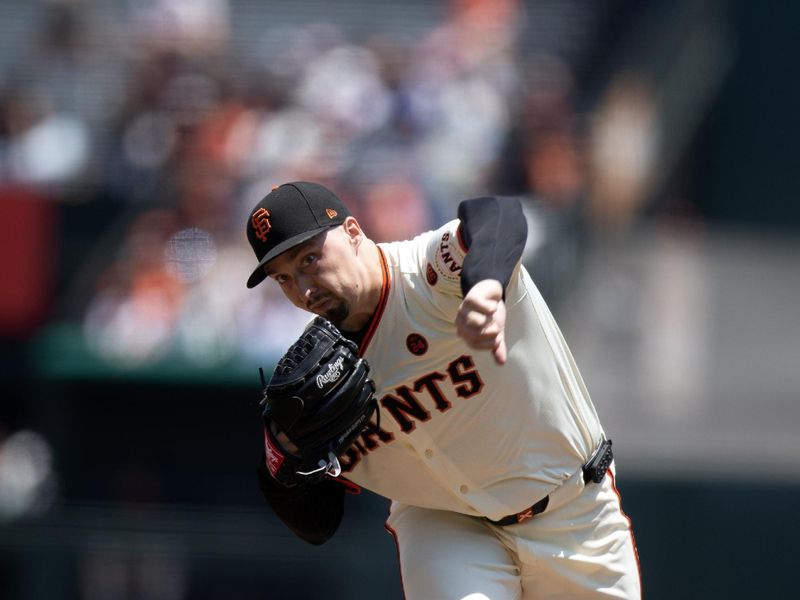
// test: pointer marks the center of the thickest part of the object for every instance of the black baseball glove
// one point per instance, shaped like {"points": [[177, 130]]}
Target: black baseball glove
{"points": [[320, 397]]}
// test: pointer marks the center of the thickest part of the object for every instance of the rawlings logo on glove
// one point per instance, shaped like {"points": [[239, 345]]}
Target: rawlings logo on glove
{"points": [[275, 457], [333, 374]]}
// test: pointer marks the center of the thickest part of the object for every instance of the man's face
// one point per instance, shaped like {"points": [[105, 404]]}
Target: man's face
{"points": [[319, 275]]}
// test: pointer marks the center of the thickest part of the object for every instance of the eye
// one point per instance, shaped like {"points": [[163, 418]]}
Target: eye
{"points": [[308, 259], [280, 278]]}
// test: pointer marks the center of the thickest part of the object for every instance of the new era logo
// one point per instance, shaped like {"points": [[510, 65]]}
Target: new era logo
{"points": [[331, 213]]}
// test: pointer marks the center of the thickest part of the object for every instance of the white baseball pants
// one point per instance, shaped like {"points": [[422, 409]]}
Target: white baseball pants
{"points": [[583, 549]]}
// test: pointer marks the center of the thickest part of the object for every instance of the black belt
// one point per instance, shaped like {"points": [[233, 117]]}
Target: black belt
{"points": [[593, 472]]}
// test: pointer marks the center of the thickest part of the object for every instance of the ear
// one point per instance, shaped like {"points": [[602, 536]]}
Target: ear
{"points": [[353, 230]]}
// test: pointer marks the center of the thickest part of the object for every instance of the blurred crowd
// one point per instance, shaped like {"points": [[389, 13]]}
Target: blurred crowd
{"points": [[164, 114]]}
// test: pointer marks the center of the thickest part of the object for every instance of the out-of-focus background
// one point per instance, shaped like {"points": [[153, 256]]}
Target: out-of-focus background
{"points": [[654, 144]]}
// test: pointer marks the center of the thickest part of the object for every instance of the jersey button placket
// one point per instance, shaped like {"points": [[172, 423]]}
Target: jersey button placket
{"points": [[463, 489]]}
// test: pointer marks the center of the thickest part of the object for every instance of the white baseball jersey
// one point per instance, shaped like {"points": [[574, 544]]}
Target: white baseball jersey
{"points": [[457, 431]]}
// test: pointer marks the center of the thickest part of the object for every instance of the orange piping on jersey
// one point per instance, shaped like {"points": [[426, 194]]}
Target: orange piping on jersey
{"points": [[376, 318], [393, 533], [630, 527], [349, 486], [461, 242]]}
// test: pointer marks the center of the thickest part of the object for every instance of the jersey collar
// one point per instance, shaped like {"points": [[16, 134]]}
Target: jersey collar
{"points": [[372, 326]]}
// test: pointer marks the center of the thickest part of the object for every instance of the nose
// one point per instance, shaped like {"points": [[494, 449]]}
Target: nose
{"points": [[305, 287]]}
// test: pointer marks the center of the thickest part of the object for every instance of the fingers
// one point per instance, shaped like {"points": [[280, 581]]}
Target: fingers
{"points": [[499, 351], [480, 306], [480, 331], [484, 296], [480, 320], [491, 339], [472, 323], [284, 440]]}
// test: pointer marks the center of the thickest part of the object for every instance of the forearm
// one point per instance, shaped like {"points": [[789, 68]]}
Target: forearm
{"points": [[494, 231]]}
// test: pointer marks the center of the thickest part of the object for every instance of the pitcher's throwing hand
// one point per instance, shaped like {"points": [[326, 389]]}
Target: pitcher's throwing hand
{"points": [[481, 319]]}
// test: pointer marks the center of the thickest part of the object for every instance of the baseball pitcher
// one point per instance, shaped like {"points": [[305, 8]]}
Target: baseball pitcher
{"points": [[435, 375]]}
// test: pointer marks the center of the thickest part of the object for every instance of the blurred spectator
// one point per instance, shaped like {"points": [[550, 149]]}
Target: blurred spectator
{"points": [[622, 152], [27, 481], [394, 208], [139, 299], [191, 27], [543, 151], [461, 81], [42, 146], [553, 160]]}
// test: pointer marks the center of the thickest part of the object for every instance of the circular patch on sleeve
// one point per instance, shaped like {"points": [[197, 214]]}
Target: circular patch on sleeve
{"points": [[448, 257], [430, 275], [416, 344]]}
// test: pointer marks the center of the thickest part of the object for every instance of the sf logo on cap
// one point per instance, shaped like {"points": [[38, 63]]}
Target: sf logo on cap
{"points": [[261, 224]]}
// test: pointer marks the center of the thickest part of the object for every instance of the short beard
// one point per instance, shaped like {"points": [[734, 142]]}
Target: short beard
{"points": [[338, 314]]}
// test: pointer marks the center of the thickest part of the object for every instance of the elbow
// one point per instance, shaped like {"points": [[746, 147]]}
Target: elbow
{"points": [[315, 539], [316, 536]]}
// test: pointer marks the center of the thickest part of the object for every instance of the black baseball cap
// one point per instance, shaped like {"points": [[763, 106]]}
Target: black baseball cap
{"points": [[289, 215]]}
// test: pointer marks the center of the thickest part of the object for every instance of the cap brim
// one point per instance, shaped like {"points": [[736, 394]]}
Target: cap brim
{"points": [[258, 275]]}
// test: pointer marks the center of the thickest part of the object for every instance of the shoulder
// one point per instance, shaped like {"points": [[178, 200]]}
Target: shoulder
{"points": [[432, 260], [406, 255], [440, 246]]}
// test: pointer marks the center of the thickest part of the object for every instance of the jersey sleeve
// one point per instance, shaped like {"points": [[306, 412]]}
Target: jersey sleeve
{"points": [[485, 242], [444, 258], [494, 229], [313, 513]]}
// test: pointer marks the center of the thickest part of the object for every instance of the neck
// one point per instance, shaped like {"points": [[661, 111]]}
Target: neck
{"points": [[370, 287]]}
